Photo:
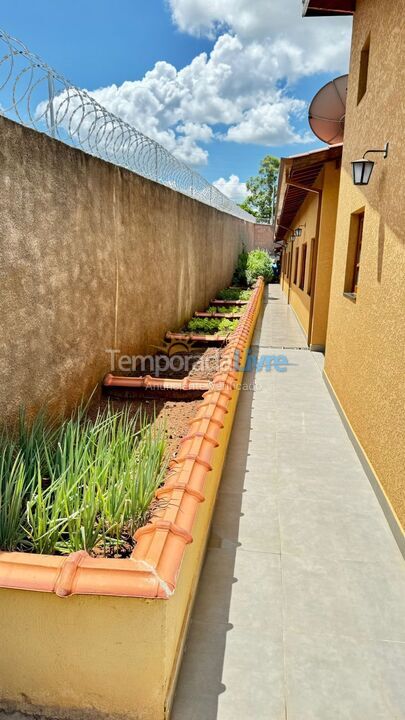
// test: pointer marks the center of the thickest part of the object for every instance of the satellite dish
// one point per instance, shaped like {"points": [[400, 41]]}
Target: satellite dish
{"points": [[327, 111]]}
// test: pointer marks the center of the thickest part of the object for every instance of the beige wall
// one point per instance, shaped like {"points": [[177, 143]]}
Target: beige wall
{"points": [[264, 237], [365, 351], [94, 257]]}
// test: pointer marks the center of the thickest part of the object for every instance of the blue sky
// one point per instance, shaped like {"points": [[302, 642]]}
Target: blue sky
{"points": [[221, 112]]}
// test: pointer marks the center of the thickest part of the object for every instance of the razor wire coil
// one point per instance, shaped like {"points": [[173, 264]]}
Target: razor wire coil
{"points": [[35, 95]]}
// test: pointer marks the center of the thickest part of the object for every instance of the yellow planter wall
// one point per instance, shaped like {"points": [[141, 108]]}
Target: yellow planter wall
{"points": [[104, 657]]}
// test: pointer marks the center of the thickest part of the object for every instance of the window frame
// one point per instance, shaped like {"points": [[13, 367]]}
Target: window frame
{"points": [[296, 261], [303, 266], [311, 265], [354, 251], [364, 67]]}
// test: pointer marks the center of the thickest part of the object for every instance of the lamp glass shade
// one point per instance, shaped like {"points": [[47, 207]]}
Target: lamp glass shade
{"points": [[298, 232], [362, 170]]}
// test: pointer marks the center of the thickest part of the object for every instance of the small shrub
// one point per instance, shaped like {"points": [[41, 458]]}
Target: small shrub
{"points": [[210, 326], [204, 326], [227, 326], [226, 309], [259, 264], [245, 295], [239, 276], [234, 294]]}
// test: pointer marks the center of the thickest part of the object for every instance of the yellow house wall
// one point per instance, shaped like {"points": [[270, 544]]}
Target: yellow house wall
{"points": [[299, 299], [365, 349]]}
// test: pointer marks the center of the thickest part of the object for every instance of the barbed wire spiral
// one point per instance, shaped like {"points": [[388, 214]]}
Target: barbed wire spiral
{"points": [[35, 95]]}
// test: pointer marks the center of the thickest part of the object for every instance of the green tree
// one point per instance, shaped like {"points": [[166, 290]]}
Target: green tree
{"points": [[262, 189]]}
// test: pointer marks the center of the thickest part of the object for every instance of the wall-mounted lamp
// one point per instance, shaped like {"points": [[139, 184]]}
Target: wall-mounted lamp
{"points": [[362, 169], [298, 232]]}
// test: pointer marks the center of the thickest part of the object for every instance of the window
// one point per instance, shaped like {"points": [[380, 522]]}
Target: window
{"points": [[303, 265], [311, 263], [296, 258], [363, 71], [354, 253]]}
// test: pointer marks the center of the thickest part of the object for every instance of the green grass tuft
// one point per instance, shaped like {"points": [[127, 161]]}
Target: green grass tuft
{"points": [[81, 485]]}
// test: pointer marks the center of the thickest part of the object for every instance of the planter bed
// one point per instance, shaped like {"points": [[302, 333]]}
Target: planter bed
{"points": [[217, 315], [201, 363], [234, 293], [186, 337], [149, 388], [241, 303], [173, 415], [112, 647]]}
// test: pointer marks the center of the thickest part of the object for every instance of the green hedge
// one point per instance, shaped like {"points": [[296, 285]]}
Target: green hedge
{"points": [[258, 264], [252, 265]]}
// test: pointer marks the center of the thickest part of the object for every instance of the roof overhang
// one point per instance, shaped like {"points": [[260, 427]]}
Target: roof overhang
{"points": [[316, 8], [302, 170]]}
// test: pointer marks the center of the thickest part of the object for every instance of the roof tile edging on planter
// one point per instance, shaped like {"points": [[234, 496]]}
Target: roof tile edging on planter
{"points": [[153, 568]]}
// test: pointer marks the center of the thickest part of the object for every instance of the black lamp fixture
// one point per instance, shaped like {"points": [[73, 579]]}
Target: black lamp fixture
{"points": [[296, 233], [362, 169]]}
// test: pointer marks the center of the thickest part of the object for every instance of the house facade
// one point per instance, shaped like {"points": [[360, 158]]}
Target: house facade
{"points": [[307, 210], [365, 341]]}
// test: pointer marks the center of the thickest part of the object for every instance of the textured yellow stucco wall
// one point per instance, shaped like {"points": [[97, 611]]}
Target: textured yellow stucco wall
{"points": [[94, 257], [324, 263], [365, 350], [299, 299]]}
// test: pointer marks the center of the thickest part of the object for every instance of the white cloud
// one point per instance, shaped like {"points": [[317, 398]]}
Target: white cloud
{"points": [[236, 85], [154, 106], [232, 188], [305, 45], [260, 47], [268, 124]]}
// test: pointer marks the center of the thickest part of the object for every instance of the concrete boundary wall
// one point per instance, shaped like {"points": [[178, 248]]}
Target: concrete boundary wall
{"points": [[93, 258]]}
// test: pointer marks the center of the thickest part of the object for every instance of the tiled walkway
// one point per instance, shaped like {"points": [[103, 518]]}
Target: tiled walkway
{"points": [[300, 612]]}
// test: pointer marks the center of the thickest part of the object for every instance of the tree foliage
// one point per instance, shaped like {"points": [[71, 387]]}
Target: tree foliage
{"points": [[262, 189]]}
